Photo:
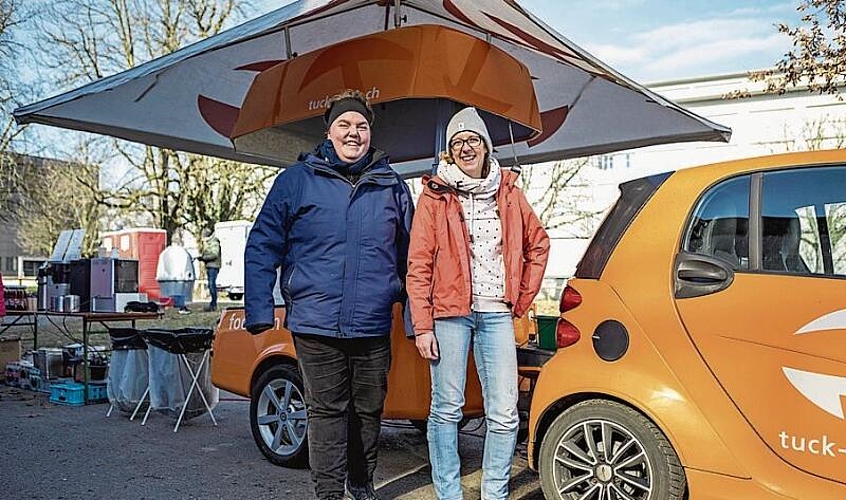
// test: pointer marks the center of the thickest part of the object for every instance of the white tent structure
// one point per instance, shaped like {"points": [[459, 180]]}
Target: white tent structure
{"points": [[189, 100]]}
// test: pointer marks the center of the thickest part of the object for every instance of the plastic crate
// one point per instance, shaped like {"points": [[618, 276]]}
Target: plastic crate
{"points": [[72, 393]]}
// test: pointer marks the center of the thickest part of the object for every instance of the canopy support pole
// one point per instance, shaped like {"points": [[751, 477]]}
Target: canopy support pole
{"points": [[397, 17]]}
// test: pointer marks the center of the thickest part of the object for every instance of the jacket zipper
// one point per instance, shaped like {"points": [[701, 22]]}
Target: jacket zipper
{"points": [[365, 179]]}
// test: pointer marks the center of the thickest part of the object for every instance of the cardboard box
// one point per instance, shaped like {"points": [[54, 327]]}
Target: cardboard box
{"points": [[10, 350]]}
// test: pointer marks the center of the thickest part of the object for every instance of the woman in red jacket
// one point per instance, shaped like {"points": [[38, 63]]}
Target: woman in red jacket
{"points": [[476, 260]]}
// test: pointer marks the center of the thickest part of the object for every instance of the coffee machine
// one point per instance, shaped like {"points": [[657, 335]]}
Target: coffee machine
{"points": [[109, 277], [53, 283]]}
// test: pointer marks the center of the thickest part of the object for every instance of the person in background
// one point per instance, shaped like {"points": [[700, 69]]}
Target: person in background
{"points": [[477, 257], [175, 274], [336, 223], [211, 257]]}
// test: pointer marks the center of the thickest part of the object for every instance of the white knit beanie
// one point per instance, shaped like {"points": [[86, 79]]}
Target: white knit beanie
{"points": [[468, 119]]}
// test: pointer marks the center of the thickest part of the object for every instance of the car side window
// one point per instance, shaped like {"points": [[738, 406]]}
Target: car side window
{"points": [[720, 224], [803, 221]]}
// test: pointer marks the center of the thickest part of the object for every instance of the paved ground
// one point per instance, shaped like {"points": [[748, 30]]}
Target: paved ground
{"points": [[58, 452]]}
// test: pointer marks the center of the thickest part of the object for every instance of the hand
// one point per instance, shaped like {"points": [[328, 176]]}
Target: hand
{"points": [[427, 345], [259, 328]]}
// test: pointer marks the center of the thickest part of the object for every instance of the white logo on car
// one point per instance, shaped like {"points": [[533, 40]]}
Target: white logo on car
{"points": [[823, 390], [831, 321]]}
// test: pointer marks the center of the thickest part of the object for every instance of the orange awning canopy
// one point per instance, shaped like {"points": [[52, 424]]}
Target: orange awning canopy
{"points": [[415, 77]]}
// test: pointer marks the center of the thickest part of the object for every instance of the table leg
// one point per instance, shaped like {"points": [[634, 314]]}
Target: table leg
{"points": [[85, 360], [35, 331]]}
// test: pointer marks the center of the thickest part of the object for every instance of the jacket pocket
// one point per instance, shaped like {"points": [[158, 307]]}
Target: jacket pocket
{"points": [[431, 296]]}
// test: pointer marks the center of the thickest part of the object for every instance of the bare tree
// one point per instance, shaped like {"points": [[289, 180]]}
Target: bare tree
{"points": [[560, 195], [824, 132], [818, 57], [50, 203], [10, 16], [84, 40]]}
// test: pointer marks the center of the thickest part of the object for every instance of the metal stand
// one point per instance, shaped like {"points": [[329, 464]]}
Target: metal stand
{"points": [[195, 375]]}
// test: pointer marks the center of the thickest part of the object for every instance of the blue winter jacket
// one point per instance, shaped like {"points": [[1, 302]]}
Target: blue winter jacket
{"points": [[342, 250]]}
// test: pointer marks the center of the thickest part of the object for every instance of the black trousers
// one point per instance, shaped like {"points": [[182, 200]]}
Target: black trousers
{"points": [[346, 381]]}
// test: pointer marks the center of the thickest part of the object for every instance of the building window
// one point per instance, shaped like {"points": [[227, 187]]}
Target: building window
{"points": [[30, 268], [11, 264]]}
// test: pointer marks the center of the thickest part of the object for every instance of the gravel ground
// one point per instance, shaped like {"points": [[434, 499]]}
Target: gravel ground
{"points": [[60, 452]]}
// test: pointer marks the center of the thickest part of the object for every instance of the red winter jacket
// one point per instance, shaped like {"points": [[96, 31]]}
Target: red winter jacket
{"points": [[439, 274]]}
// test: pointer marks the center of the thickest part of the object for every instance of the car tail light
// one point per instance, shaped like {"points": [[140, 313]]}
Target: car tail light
{"points": [[570, 299], [566, 334]]}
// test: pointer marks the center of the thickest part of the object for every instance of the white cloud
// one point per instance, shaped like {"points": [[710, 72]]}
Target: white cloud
{"points": [[696, 48], [692, 60]]}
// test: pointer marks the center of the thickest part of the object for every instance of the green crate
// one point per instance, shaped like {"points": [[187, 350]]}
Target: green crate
{"points": [[546, 332]]}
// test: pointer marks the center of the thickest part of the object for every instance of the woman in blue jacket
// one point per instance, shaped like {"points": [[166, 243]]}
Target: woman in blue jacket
{"points": [[336, 223]]}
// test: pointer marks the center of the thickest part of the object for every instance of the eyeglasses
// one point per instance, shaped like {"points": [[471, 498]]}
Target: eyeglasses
{"points": [[457, 145]]}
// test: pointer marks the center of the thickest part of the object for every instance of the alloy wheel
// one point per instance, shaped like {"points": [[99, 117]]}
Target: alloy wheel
{"points": [[601, 460]]}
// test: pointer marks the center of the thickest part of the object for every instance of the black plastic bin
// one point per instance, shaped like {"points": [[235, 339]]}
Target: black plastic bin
{"points": [[170, 379], [126, 338], [128, 369]]}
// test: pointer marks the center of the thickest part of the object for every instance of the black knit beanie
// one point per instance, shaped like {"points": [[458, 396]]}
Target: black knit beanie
{"points": [[342, 106]]}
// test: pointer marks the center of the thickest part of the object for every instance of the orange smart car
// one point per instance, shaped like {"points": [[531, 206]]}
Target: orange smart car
{"points": [[702, 343]]}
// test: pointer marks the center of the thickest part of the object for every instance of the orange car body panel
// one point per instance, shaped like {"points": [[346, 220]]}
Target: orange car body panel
{"points": [[238, 358], [709, 371]]}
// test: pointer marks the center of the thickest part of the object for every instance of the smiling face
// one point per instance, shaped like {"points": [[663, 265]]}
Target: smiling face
{"points": [[468, 151], [350, 135]]}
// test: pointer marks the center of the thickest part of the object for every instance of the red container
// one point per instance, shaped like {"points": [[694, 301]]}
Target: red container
{"points": [[145, 245]]}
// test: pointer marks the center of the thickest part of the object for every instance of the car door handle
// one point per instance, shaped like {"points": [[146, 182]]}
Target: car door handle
{"points": [[701, 272], [698, 275]]}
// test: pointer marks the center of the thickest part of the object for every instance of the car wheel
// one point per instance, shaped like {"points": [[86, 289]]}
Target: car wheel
{"points": [[236, 296], [278, 417], [602, 449]]}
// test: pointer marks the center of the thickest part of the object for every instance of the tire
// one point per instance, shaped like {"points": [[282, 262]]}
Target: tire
{"points": [[235, 296], [573, 463], [278, 417]]}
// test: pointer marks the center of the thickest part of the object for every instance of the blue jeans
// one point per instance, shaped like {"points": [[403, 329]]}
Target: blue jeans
{"points": [[492, 336], [178, 301], [211, 273]]}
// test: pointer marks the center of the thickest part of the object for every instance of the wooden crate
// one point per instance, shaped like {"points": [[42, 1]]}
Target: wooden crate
{"points": [[10, 350]]}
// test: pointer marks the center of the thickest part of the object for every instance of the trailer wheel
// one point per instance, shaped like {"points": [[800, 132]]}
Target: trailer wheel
{"points": [[278, 417]]}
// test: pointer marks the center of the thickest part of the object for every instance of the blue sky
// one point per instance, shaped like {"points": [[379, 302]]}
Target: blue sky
{"points": [[655, 40]]}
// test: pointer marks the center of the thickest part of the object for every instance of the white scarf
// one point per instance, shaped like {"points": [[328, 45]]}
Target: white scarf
{"points": [[485, 187], [478, 202]]}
